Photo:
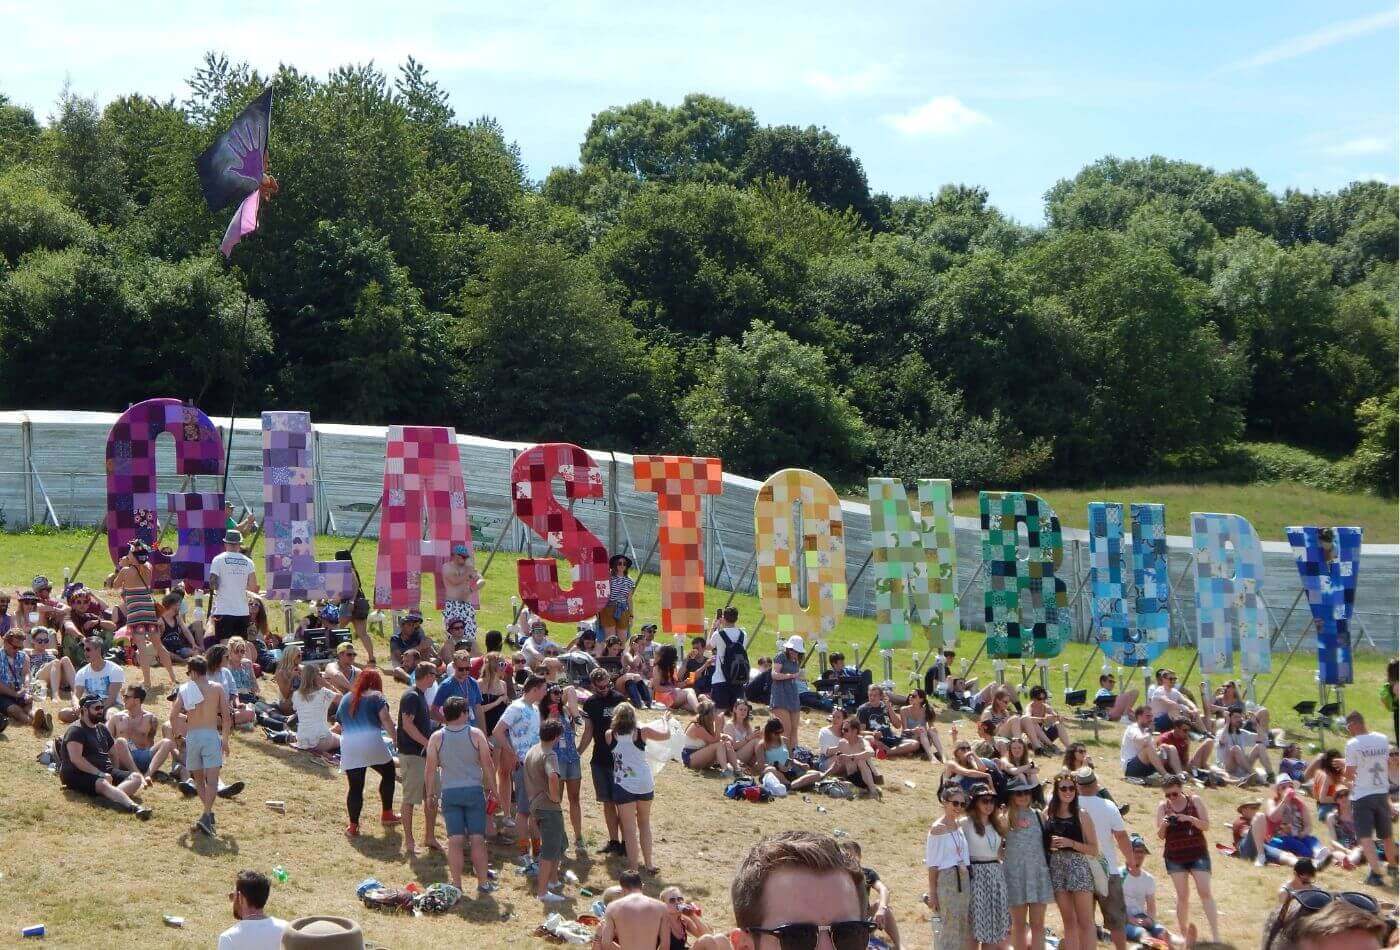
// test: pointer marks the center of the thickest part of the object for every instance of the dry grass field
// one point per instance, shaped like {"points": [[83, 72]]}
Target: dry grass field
{"points": [[97, 878]]}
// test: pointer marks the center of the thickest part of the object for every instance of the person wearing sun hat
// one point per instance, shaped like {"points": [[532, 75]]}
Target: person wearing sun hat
{"points": [[616, 615], [785, 698], [323, 933]]}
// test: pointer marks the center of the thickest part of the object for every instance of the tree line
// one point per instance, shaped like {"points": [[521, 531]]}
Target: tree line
{"points": [[698, 281]]}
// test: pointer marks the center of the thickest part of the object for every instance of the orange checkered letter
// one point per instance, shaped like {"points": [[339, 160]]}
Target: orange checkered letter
{"points": [[678, 482]]}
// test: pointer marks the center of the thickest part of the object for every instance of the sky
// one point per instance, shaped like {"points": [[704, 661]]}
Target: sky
{"points": [[1009, 95]]}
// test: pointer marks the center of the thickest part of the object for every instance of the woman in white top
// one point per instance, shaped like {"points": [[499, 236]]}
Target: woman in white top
{"points": [[949, 886], [633, 784], [706, 744], [312, 702], [748, 741], [829, 738], [990, 912]]}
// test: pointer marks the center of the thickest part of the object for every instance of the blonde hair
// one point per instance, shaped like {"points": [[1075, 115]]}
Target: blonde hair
{"points": [[490, 676], [287, 667], [624, 719], [310, 679]]}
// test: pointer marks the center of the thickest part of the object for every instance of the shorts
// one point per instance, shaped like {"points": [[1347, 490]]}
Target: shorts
{"points": [[623, 797], [203, 749], [413, 768], [1303, 847], [1247, 851], [724, 696], [616, 617], [665, 695], [1052, 732], [464, 810], [1115, 911], [517, 781], [1371, 815], [461, 610], [1161, 722], [1136, 932], [7, 701], [142, 757], [686, 754], [1199, 864], [86, 782], [602, 783], [229, 625], [569, 771], [553, 839], [1136, 768]]}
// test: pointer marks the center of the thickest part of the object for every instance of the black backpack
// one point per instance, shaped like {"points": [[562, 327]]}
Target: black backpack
{"points": [[736, 659]]}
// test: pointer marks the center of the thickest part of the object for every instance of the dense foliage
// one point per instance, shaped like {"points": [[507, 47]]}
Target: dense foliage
{"points": [[699, 281]]}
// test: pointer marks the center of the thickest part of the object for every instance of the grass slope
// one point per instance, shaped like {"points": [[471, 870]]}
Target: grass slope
{"points": [[95, 877]]}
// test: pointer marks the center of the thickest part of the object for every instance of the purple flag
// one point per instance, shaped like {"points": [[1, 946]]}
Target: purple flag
{"points": [[234, 165], [245, 222]]}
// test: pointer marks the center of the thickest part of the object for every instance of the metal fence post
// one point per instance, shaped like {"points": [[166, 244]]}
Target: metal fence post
{"points": [[26, 443], [612, 504]]}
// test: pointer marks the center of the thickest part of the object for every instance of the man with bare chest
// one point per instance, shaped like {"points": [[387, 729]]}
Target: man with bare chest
{"points": [[138, 727], [461, 588], [633, 921], [203, 716]]}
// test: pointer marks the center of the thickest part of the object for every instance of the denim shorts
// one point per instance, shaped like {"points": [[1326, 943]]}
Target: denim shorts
{"points": [[464, 810], [1200, 864]]}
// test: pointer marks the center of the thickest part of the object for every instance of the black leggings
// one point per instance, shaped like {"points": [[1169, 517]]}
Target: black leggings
{"points": [[355, 798]]}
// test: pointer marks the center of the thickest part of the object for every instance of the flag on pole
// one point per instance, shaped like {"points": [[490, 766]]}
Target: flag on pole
{"points": [[234, 169]]}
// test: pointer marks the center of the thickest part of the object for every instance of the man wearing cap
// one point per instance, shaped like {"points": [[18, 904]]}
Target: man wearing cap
{"points": [[461, 590], [15, 701], [231, 522], [43, 591], [1367, 772], [231, 577], [1113, 839], [539, 649], [86, 764], [1140, 897], [411, 637]]}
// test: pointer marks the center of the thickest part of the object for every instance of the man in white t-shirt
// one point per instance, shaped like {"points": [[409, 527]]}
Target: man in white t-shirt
{"points": [[1113, 841], [98, 677], [231, 576], [1138, 753], [728, 633], [1168, 704], [1140, 897], [1367, 757], [254, 930]]}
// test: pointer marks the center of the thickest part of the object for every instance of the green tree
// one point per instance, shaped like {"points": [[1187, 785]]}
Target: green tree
{"points": [[1376, 462], [812, 157], [704, 138], [83, 153]]}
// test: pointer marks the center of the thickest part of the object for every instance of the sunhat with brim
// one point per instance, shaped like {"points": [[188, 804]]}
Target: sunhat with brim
{"points": [[795, 643]]}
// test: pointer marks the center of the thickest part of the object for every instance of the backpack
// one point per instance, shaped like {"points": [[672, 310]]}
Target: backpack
{"points": [[736, 659]]}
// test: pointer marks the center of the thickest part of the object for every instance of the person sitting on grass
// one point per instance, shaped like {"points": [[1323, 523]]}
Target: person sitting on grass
{"points": [[138, 727], [100, 678], [878, 895], [778, 760], [988, 744], [918, 717], [1041, 722], [1341, 832], [1140, 898], [1169, 704], [411, 637], [1327, 772], [312, 702], [16, 702], [341, 674], [1247, 845], [967, 769], [746, 739], [242, 673], [1286, 824], [46, 664], [1292, 763], [538, 648], [666, 686], [175, 634], [882, 724], [1227, 697], [706, 743], [217, 657], [852, 759], [86, 763], [287, 678], [1116, 705], [1239, 751], [632, 921], [1142, 760], [682, 921], [1016, 762], [1175, 743]]}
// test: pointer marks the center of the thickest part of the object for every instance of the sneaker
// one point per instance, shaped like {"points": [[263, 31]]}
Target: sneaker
{"points": [[187, 788], [228, 791], [1374, 880], [352, 830], [142, 812], [1260, 861], [205, 824], [1323, 857], [549, 897], [487, 887], [613, 847], [389, 818]]}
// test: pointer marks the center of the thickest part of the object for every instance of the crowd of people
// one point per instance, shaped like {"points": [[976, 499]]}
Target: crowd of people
{"points": [[492, 729]]}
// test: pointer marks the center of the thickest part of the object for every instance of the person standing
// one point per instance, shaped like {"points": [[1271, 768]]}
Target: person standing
{"points": [[255, 930], [545, 790], [518, 730], [634, 786], [461, 589], [1182, 822], [1367, 772], [949, 896], [364, 719], [616, 615], [1073, 844], [231, 577], [730, 672], [462, 754], [991, 919], [460, 683], [598, 711], [415, 728], [1113, 837], [785, 699], [1028, 887], [203, 716]]}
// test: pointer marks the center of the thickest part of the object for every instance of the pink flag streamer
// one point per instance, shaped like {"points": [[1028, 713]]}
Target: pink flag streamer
{"points": [[245, 222]]}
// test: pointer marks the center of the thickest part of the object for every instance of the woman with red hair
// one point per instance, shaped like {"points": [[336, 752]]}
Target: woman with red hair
{"points": [[364, 719]]}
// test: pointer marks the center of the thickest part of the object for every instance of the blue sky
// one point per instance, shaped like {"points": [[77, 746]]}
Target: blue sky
{"points": [[1010, 95]]}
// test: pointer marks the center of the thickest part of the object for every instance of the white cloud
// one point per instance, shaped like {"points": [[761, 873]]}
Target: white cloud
{"points": [[860, 83], [1319, 39], [1365, 145], [941, 115], [1389, 178]]}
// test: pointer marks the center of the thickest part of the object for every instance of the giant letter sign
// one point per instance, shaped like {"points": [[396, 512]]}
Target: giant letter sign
{"points": [[916, 562], [821, 543], [1228, 605], [422, 474], [532, 476], [1329, 560], [678, 482], [289, 515], [1138, 637], [1008, 576], [131, 488]]}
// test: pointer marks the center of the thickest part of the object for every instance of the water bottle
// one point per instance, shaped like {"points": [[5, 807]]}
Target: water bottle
{"points": [[280, 874]]}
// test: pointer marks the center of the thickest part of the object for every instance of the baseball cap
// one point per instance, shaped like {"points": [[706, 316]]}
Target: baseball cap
{"points": [[91, 699], [346, 647], [1282, 780], [40, 582], [413, 614], [461, 549], [1138, 844]]}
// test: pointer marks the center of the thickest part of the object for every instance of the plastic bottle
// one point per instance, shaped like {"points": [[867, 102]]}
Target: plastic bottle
{"points": [[280, 873]]}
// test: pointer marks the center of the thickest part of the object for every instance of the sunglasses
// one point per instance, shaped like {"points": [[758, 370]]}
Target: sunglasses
{"points": [[459, 669], [957, 802], [844, 934], [1313, 899], [1066, 788]]}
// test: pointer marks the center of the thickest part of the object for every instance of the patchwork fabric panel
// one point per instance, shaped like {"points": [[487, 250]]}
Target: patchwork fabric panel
{"points": [[532, 477], [131, 484], [199, 517], [289, 515], [1138, 636], [422, 478], [1016, 587], [1229, 605], [679, 482], [820, 543], [1329, 561], [916, 562]]}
